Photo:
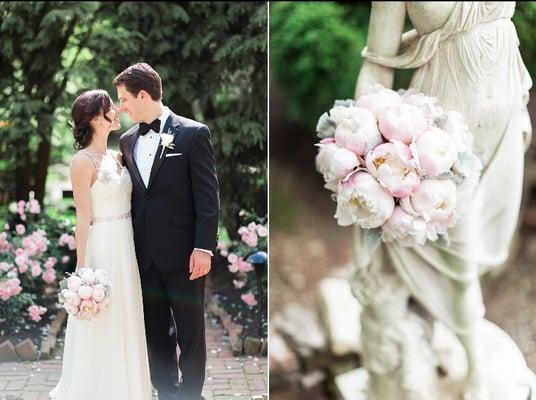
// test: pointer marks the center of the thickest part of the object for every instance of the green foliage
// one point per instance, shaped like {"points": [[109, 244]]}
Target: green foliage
{"points": [[525, 20], [315, 55], [211, 57]]}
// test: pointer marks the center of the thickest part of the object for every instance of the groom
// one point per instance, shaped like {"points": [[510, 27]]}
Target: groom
{"points": [[175, 207]]}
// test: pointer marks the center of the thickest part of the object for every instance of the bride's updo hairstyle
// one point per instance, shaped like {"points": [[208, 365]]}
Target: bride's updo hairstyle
{"points": [[87, 106]]}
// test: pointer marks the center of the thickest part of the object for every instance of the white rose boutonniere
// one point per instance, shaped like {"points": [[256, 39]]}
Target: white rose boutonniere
{"points": [[166, 140]]}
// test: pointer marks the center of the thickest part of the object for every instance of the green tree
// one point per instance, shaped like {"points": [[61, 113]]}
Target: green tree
{"points": [[211, 57]]}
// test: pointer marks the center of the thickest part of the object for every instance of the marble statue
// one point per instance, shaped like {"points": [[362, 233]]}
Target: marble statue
{"points": [[466, 55]]}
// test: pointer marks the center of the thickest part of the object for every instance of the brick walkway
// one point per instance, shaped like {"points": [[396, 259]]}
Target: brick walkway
{"points": [[228, 377]]}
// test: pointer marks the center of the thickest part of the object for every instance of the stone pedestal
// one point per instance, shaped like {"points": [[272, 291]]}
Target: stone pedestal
{"points": [[508, 376]]}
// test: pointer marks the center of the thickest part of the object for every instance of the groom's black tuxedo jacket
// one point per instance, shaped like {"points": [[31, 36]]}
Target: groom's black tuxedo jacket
{"points": [[179, 209]]}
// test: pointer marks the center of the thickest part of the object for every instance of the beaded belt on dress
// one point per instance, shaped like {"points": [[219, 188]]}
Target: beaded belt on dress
{"points": [[111, 218]]}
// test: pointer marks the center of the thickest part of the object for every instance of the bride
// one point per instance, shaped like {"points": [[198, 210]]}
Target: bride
{"points": [[105, 358]]}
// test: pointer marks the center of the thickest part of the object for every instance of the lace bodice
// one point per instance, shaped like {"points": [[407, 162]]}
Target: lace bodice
{"points": [[111, 191]]}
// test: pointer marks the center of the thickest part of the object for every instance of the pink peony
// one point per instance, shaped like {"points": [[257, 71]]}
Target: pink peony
{"points": [[51, 262], [20, 229], [344, 161], [323, 161], [403, 228], [23, 268], [252, 226], [49, 276], [390, 163], [36, 269], [232, 258], [243, 230], [233, 267], [434, 201], [249, 299], [98, 293], [434, 152], [238, 284], [262, 231], [358, 133], [34, 207], [250, 239], [244, 266], [73, 283], [362, 200], [85, 292], [402, 122], [377, 98], [36, 312]]}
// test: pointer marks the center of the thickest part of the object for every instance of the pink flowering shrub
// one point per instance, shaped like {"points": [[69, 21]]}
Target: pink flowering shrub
{"points": [[36, 250], [251, 237]]}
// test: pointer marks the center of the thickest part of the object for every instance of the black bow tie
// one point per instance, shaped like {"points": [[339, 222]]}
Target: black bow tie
{"points": [[144, 128]]}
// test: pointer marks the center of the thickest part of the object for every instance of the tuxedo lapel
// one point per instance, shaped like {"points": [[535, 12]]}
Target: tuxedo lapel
{"points": [[172, 125], [135, 172]]}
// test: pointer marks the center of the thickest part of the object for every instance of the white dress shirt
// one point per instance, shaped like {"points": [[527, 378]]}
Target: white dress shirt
{"points": [[145, 150]]}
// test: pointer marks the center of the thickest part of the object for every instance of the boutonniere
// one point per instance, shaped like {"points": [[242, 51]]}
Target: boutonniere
{"points": [[166, 140]]}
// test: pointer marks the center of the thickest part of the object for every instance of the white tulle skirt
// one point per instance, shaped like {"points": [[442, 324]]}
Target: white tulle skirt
{"points": [[106, 358]]}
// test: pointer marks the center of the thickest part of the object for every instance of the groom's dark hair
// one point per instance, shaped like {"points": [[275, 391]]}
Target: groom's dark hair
{"points": [[138, 77]]}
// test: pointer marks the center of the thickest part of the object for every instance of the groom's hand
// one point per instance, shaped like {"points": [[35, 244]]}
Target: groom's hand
{"points": [[199, 264]]}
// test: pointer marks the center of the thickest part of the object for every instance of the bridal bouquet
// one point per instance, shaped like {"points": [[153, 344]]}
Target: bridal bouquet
{"points": [[86, 293], [399, 165]]}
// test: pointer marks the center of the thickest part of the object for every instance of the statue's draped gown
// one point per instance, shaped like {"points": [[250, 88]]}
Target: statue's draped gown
{"points": [[472, 65]]}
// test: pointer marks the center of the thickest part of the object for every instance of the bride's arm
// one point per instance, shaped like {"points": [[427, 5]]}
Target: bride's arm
{"points": [[82, 172], [384, 37]]}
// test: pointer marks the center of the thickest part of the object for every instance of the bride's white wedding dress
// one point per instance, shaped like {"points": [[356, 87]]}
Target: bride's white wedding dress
{"points": [[106, 358]]}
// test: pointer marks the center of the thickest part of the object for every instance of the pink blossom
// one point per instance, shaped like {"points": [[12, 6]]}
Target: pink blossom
{"points": [[6, 227], [21, 205], [224, 253], [250, 239], [344, 161], [326, 150], [262, 231], [221, 245], [51, 262], [5, 246], [36, 311], [390, 163], [377, 98], [232, 258], [21, 258], [362, 200], [23, 268], [20, 229], [252, 226], [233, 268], [36, 269], [434, 201], [238, 284], [34, 207], [49, 276], [4, 266], [68, 240], [249, 299], [242, 230], [434, 152], [358, 133], [65, 259], [10, 288], [404, 228], [244, 266], [85, 292], [402, 122], [23, 217]]}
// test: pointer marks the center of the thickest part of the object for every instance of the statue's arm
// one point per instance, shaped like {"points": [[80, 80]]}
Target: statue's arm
{"points": [[384, 38]]}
